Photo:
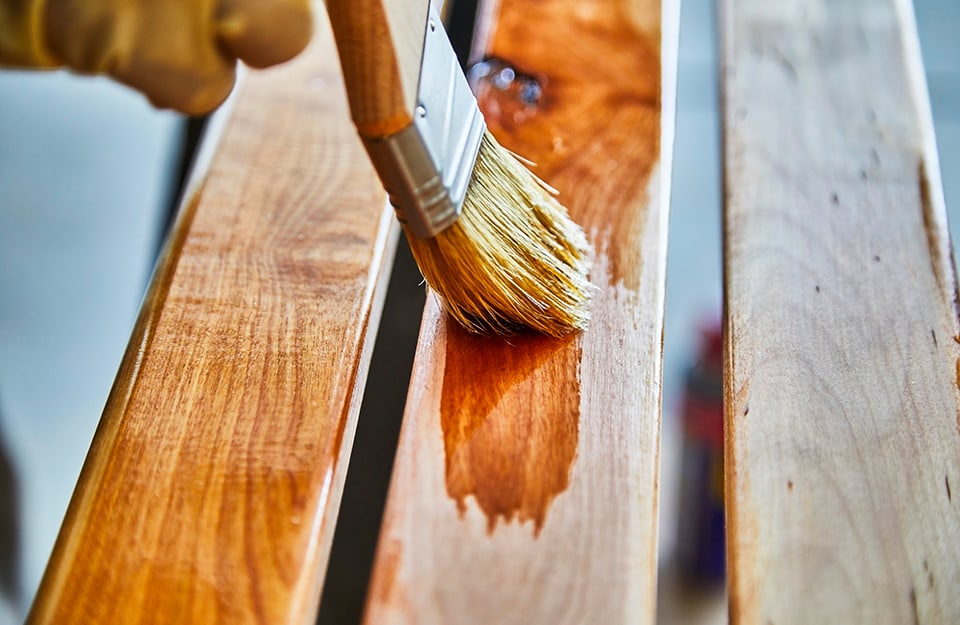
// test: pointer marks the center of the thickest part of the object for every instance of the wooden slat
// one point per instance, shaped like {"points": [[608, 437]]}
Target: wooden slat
{"points": [[843, 440], [211, 490], [525, 485]]}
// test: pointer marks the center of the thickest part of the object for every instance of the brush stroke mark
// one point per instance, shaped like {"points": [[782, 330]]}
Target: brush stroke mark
{"points": [[509, 411]]}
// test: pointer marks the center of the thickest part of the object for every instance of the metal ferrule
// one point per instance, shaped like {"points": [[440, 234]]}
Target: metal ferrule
{"points": [[426, 167]]}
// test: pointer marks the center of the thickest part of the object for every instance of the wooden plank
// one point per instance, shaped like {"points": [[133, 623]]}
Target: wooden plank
{"points": [[211, 489], [843, 363], [525, 485]]}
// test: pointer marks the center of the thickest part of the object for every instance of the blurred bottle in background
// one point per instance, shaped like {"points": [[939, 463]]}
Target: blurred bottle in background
{"points": [[700, 524]]}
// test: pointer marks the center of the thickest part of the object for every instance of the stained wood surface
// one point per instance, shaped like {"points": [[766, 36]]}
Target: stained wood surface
{"points": [[210, 491], [843, 441], [525, 484]]}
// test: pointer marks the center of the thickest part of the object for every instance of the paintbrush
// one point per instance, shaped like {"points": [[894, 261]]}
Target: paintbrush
{"points": [[489, 237]]}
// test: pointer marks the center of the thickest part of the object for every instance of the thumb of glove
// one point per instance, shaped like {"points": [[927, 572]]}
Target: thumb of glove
{"points": [[181, 54]]}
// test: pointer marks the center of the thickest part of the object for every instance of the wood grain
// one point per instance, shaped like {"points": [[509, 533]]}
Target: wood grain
{"points": [[380, 45], [211, 489], [525, 484], [843, 447]]}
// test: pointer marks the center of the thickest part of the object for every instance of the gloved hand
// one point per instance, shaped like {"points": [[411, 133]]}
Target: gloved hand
{"points": [[181, 54]]}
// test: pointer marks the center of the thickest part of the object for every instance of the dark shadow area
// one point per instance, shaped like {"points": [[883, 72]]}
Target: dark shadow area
{"points": [[10, 582], [461, 20], [192, 129], [368, 477]]}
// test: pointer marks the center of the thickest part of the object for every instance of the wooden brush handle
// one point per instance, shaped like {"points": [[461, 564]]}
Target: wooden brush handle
{"points": [[380, 43]]}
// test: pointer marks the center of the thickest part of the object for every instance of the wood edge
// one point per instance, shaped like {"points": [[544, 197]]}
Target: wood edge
{"points": [[307, 596], [934, 200], [110, 422], [430, 319], [669, 68], [56, 572], [731, 512], [724, 26]]}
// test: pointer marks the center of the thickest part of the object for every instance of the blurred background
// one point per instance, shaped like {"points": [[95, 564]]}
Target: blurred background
{"points": [[88, 175]]}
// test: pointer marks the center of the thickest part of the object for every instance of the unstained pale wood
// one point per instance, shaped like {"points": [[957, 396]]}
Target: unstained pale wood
{"points": [[525, 484], [211, 489], [843, 443]]}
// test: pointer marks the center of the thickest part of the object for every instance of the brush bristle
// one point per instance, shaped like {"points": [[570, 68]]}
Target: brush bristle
{"points": [[514, 258]]}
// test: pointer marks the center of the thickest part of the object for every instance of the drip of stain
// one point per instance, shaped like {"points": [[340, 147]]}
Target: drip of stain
{"points": [[592, 131], [510, 437]]}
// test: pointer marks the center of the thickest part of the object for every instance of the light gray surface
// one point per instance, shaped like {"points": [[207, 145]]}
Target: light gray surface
{"points": [[82, 171]]}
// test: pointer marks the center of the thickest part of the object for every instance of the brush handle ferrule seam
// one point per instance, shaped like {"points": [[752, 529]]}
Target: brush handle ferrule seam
{"points": [[427, 165]]}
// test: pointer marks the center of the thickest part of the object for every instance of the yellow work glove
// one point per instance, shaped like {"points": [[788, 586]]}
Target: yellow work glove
{"points": [[181, 54]]}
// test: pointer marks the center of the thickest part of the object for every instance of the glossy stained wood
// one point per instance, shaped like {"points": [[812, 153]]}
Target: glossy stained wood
{"points": [[211, 490], [843, 441], [525, 485]]}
